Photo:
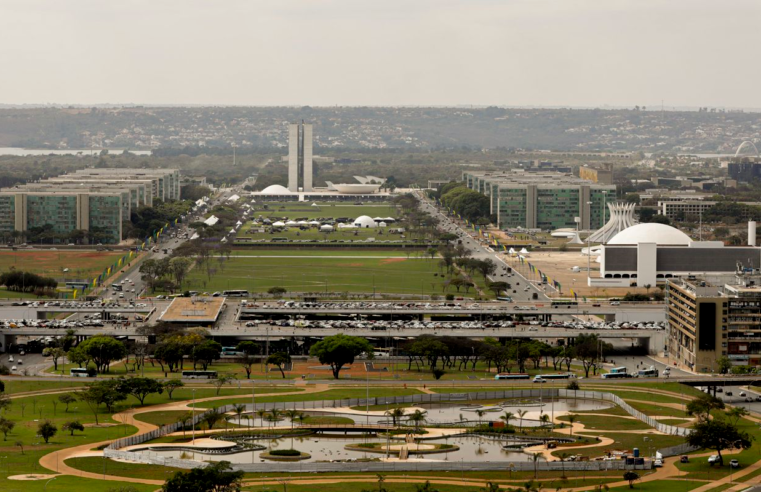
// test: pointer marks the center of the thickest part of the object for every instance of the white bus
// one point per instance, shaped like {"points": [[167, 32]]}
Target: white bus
{"points": [[199, 374], [78, 372], [235, 293]]}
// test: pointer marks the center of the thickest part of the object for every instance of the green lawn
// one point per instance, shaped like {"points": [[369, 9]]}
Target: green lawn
{"points": [[661, 486], [313, 273], [656, 410], [122, 469], [249, 232], [17, 385], [608, 423], [334, 394]]}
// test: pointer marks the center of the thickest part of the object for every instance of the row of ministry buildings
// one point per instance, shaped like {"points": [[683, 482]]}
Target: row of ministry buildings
{"points": [[96, 200]]}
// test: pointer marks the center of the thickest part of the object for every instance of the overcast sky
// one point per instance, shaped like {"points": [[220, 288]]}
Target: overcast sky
{"points": [[381, 52]]}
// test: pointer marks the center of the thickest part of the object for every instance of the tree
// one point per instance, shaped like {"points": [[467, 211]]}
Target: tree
{"points": [[396, 415], [535, 458], [216, 477], [47, 429], [702, 406], [249, 349], [587, 348], [498, 287], [279, 359], [206, 352], [72, 426], [276, 291], [101, 392], [630, 476], [6, 426], [103, 350], [20, 444], [718, 435], [78, 356], [507, 417], [222, 380], [418, 417], [5, 402], [426, 487], [212, 417], [736, 413], [573, 385], [179, 267], [172, 385], [339, 350], [545, 420], [140, 388], [55, 353], [724, 364], [571, 420], [521, 414]]}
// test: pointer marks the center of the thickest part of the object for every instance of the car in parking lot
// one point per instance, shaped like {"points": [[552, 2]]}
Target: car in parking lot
{"points": [[714, 458], [734, 464]]}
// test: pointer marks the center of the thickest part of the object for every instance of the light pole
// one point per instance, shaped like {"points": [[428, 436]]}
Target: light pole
{"points": [[193, 419], [46, 483], [589, 246]]}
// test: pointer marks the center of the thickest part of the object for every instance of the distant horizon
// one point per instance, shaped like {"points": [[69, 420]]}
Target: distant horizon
{"points": [[653, 108]]}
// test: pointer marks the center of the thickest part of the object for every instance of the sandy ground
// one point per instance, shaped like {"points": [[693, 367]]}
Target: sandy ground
{"points": [[558, 265]]}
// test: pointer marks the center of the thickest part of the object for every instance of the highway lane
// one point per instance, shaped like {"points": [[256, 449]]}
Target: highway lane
{"points": [[523, 289]]}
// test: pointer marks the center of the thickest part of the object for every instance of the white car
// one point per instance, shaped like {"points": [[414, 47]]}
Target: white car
{"points": [[658, 463]]}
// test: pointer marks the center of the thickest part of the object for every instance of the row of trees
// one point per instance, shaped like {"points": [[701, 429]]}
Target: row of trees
{"points": [[20, 281], [470, 204]]}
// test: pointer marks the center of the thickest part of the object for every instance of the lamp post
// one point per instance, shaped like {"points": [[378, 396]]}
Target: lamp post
{"points": [[589, 247], [193, 418]]}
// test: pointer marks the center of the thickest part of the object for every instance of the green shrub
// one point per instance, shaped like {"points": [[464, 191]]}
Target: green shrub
{"points": [[285, 452]]}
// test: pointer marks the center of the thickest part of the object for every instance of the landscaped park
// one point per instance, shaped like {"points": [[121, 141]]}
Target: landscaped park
{"points": [[275, 436]]}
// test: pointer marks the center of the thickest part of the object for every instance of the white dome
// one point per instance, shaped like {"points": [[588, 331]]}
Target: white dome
{"points": [[364, 222], [651, 232], [275, 190]]}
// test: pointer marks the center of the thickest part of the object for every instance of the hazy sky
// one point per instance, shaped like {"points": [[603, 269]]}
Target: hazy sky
{"points": [[381, 52]]}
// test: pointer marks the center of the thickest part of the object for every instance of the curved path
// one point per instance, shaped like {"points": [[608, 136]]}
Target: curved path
{"points": [[56, 461]]}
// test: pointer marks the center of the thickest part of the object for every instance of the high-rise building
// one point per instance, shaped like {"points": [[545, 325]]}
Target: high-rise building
{"points": [[300, 157]]}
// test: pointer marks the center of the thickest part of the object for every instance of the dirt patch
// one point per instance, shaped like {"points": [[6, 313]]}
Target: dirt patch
{"points": [[392, 260], [31, 477]]}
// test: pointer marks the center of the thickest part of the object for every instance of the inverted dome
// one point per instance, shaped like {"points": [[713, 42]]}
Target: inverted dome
{"points": [[652, 232], [275, 190]]}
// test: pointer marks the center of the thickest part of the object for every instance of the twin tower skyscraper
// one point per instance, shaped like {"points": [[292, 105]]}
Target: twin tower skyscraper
{"points": [[300, 157]]}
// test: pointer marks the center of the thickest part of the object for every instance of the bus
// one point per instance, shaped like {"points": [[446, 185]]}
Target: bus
{"points": [[567, 375], [116, 287], [199, 374], [648, 373], [231, 352], [564, 302], [511, 376], [616, 372], [235, 293], [79, 372], [505, 299]]}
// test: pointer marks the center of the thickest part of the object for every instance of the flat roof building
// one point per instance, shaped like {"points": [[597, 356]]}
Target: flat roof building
{"points": [[544, 200], [90, 204], [712, 317]]}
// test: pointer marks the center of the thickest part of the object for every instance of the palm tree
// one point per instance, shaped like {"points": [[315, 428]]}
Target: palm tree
{"points": [[535, 457], [418, 417], [274, 416], [396, 415], [571, 420], [292, 414], [545, 419], [239, 409], [480, 414], [507, 417], [521, 413], [301, 417], [261, 413], [563, 457], [183, 419]]}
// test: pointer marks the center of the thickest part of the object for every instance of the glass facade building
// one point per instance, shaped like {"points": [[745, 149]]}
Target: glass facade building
{"points": [[544, 201]]}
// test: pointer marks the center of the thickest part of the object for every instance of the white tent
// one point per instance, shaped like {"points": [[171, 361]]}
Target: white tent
{"points": [[524, 251], [302, 222], [382, 224], [326, 228], [389, 219], [511, 252], [315, 205], [278, 224], [291, 223], [314, 222]]}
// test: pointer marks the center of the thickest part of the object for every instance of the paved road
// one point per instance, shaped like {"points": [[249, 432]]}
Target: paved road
{"points": [[520, 284]]}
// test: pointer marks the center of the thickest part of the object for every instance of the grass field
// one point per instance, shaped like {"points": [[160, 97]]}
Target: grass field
{"points": [[81, 264], [395, 273]]}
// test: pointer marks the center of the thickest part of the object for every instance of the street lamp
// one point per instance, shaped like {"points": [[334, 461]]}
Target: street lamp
{"points": [[589, 247]]}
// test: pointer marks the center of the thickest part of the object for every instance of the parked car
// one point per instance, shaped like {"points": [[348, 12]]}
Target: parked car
{"points": [[658, 463], [684, 459], [728, 393], [734, 464], [714, 458]]}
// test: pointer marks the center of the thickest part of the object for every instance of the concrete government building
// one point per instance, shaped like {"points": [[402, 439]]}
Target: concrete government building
{"points": [[95, 200], [712, 317], [546, 200], [300, 157]]}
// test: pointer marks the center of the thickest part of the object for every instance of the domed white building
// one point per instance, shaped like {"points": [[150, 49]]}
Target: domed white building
{"points": [[651, 232], [275, 190], [365, 222]]}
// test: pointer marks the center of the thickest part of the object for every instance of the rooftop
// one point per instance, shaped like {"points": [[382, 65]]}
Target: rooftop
{"points": [[193, 310]]}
